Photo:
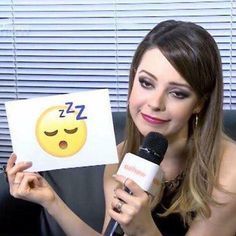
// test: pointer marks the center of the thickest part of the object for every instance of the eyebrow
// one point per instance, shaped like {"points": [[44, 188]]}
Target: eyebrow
{"points": [[171, 83]]}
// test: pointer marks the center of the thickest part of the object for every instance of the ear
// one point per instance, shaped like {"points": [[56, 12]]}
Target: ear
{"points": [[199, 106]]}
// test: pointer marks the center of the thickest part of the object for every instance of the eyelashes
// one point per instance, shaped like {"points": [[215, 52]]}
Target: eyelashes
{"points": [[68, 131], [145, 83], [177, 93], [180, 95]]}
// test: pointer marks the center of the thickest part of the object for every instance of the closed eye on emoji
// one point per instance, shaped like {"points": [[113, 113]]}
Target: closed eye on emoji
{"points": [[71, 131], [53, 133]]}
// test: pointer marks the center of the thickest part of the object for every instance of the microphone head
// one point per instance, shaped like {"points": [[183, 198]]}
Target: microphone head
{"points": [[154, 147], [155, 142]]}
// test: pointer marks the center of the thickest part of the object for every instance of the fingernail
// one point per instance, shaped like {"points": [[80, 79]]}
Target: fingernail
{"points": [[13, 155], [114, 175], [28, 163]]}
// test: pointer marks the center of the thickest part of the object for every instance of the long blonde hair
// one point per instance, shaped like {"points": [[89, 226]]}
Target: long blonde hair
{"points": [[192, 51]]}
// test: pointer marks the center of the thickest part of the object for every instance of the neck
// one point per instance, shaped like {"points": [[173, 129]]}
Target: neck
{"points": [[174, 161]]}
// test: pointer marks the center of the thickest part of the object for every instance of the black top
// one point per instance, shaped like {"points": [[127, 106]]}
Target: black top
{"points": [[171, 225]]}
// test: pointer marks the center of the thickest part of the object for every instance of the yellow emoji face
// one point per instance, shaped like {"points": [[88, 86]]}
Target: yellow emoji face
{"points": [[60, 135]]}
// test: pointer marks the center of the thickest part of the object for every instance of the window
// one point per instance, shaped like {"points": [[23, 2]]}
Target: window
{"points": [[62, 46]]}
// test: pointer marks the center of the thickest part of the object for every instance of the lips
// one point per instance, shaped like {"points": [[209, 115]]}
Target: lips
{"points": [[153, 120]]}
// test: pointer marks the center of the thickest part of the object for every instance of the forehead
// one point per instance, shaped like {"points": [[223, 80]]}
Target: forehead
{"points": [[155, 63]]}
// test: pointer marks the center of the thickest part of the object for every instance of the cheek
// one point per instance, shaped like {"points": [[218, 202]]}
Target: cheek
{"points": [[134, 98], [182, 114], [133, 106]]}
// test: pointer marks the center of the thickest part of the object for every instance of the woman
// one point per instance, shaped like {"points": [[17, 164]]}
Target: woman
{"points": [[176, 90]]}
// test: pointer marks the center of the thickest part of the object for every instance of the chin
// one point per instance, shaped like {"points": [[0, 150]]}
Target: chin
{"points": [[146, 131]]}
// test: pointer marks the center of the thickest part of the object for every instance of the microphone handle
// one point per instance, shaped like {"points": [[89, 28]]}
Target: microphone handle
{"points": [[113, 228]]}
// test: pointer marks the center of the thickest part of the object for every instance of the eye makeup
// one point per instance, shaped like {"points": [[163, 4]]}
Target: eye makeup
{"points": [[180, 94], [177, 89], [145, 82]]}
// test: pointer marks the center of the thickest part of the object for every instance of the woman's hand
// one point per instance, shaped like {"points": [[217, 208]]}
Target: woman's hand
{"points": [[134, 211], [27, 185]]}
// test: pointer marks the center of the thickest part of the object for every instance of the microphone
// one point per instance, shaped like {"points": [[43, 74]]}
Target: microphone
{"points": [[143, 169]]}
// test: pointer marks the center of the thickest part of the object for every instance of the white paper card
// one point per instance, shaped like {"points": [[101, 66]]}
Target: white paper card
{"points": [[63, 131]]}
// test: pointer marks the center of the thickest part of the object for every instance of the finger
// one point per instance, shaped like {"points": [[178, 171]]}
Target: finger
{"points": [[121, 207], [37, 174], [123, 217], [14, 184], [32, 182], [120, 178], [18, 178], [28, 182], [137, 200], [42, 181], [19, 167], [11, 161], [20, 175], [122, 195], [117, 205], [130, 184]]}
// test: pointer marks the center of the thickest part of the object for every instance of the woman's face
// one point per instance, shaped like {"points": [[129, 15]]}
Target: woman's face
{"points": [[161, 100]]}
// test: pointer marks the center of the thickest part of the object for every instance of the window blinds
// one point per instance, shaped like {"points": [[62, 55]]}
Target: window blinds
{"points": [[62, 46]]}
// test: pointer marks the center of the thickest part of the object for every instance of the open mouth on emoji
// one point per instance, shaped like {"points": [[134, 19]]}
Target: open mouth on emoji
{"points": [[63, 144]]}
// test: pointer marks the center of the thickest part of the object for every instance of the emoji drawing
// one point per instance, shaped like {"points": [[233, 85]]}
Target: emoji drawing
{"points": [[60, 135]]}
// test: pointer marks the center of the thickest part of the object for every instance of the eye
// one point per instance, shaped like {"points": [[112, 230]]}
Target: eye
{"points": [[51, 133], [180, 94], [145, 83], [71, 131]]}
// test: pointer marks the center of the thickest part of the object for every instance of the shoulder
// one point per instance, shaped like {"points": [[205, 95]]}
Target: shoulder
{"points": [[222, 220], [227, 173], [119, 149]]}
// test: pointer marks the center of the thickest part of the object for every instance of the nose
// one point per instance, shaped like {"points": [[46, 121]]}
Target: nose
{"points": [[157, 101]]}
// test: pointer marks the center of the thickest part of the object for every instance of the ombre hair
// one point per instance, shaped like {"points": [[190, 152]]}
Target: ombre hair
{"points": [[193, 52]]}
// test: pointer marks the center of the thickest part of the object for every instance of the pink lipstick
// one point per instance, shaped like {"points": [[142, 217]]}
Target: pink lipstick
{"points": [[153, 120]]}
